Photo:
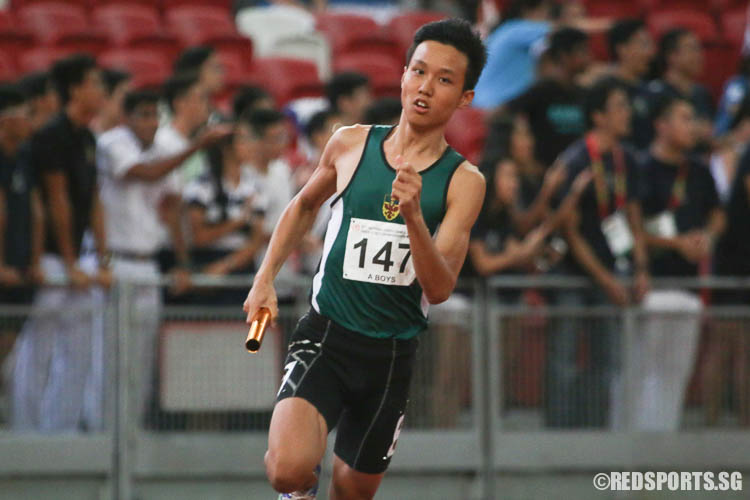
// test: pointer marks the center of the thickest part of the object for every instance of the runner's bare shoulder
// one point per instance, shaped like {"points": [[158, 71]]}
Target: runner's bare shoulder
{"points": [[347, 138]]}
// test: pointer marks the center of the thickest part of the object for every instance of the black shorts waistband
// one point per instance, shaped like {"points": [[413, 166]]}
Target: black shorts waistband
{"points": [[356, 339]]}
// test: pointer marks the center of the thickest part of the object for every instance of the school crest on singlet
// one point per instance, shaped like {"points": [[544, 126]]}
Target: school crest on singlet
{"points": [[366, 279], [390, 207]]}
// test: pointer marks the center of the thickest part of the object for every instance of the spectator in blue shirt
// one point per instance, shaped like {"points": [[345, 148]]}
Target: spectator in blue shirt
{"points": [[734, 92], [511, 62]]}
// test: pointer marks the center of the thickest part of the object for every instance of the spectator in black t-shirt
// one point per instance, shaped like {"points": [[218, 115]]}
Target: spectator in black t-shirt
{"points": [[63, 155], [682, 219], [728, 343], [602, 233], [632, 48], [733, 248], [63, 159], [679, 199], [680, 64], [553, 106], [496, 245], [20, 208], [511, 138]]}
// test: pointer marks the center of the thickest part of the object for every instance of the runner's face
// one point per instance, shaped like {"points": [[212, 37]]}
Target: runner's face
{"points": [[432, 84]]}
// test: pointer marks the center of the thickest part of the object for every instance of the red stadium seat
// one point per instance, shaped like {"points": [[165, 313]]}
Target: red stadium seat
{"points": [[724, 5], [155, 4], [403, 27], [287, 78], [135, 26], [721, 63], [62, 25], [13, 39], [383, 71], [41, 58], [224, 4], [149, 69], [76, 3], [7, 68], [466, 132], [201, 25], [236, 72], [733, 25], [348, 33], [697, 5], [615, 9], [700, 23]]}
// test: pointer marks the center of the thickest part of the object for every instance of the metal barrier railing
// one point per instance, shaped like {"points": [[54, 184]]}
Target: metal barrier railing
{"points": [[491, 370]]}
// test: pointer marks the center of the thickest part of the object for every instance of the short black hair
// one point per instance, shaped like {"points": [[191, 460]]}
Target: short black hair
{"points": [[459, 34], [516, 8], [384, 111], [668, 44], [138, 97], [260, 120], [192, 58], [246, 97], [663, 104], [10, 95], [177, 86], [344, 84], [621, 32], [317, 122], [114, 77], [71, 71], [564, 41], [596, 97], [36, 84]]}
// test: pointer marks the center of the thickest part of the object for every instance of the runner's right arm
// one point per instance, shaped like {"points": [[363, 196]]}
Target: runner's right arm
{"points": [[294, 224]]}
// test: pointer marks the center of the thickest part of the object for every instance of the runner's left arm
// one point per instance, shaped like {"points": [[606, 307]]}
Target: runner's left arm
{"points": [[437, 262]]}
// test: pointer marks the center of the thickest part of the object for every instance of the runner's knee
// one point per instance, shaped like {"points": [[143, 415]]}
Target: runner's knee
{"points": [[287, 472]]}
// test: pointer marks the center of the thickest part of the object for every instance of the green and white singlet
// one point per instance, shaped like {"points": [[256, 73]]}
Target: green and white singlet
{"points": [[366, 280]]}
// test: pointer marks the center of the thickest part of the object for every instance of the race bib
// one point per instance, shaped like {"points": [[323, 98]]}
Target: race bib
{"points": [[662, 225], [378, 252], [617, 232]]}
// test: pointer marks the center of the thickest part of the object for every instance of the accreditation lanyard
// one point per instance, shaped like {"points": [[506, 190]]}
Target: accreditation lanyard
{"points": [[679, 188], [600, 182]]}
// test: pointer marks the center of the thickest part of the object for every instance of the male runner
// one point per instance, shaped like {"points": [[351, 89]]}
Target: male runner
{"points": [[351, 356]]}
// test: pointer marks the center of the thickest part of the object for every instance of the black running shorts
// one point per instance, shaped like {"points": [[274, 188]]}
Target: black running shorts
{"points": [[357, 382]]}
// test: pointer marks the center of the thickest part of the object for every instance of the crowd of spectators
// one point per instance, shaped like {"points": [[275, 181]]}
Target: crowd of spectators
{"points": [[593, 170]]}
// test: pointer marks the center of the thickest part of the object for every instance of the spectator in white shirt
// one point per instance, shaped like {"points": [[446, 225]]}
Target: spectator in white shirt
{"points": [[188, 102], [135, 187]]}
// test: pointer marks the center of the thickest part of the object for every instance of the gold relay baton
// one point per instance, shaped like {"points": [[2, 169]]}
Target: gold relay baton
{"points": [[257, 329]]}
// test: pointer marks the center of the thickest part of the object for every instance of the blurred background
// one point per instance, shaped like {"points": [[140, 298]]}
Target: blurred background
{"points": [[148, 148]]}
